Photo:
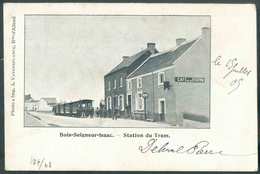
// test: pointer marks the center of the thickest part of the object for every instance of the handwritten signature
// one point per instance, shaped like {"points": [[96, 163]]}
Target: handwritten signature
{"points": [[199, 148], [234, 70]]}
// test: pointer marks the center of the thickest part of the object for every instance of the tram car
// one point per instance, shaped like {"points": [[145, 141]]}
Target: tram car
{"points": [[80, 108]]}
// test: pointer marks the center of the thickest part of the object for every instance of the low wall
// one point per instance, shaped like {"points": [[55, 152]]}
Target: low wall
{"points": [[194, 124], [189, 120]]}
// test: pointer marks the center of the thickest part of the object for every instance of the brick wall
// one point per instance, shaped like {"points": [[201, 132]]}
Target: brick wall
{"points": [[119, 90]]}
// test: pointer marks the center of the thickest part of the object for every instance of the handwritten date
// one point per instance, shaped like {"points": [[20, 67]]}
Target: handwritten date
{"points": [[234, 72], [40, 163]]}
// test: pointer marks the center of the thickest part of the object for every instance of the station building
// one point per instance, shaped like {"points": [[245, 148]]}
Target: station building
{"points": [[115, 81], [173, 85]]}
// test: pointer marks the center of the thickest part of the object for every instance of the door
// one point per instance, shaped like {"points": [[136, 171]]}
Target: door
{"points": [[114, 103], [162, 110], [129, 101]]}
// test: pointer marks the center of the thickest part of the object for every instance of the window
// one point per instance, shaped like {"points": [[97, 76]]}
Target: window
{"points": [[121, 102], [121, 82], [115, 84], [161, 78], [139, 101], [109, 86], [129, 85], [139, 83]]}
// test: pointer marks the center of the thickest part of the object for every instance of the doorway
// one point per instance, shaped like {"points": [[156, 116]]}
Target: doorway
{"points": [[115, 102], [129, 104], [162, 109], [115, 106]]}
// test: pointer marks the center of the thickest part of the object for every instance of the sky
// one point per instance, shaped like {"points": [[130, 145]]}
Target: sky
{"points": [[67, 56]]}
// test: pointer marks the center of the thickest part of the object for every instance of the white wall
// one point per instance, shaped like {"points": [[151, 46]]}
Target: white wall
{"points": [[43, 106], [194, 98]]}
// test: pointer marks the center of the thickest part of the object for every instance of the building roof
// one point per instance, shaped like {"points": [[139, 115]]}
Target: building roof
{"points": [[50, 100], [162, 60], [32, 101], [80, 101], [77, 101], [128, 61]]}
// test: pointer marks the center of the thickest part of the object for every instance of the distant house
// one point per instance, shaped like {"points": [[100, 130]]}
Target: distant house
{"points": [[46, 104], [173, 84], [30, 104], [115, 81], [51, 101]]}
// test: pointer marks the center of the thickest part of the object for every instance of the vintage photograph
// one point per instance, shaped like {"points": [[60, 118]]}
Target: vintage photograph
{"points": [[147, 71], [137, 84]]}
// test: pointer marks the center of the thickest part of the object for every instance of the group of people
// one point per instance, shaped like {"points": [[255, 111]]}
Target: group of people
{"points": [[87, 113], [102, 112]]}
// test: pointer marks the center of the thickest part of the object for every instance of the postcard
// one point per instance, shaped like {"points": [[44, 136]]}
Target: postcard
{"points": [[130, 87]]}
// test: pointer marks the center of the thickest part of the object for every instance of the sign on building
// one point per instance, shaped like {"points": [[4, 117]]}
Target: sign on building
{"points": [[190, 79]]}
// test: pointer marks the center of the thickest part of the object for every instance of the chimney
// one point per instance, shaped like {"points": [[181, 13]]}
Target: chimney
{"points": [[151, 47], [179, 41], [125, 57], [205, 32]]}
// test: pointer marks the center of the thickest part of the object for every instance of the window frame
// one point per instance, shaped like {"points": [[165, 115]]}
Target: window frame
{"points": [[137, 101], [139, 83], [121, 82], [123, 106], [159, 78], [129, 84], [109, 85], [114, 83]]}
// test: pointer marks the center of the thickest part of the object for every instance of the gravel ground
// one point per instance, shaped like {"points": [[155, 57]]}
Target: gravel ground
{"points": [[37, 119]]}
